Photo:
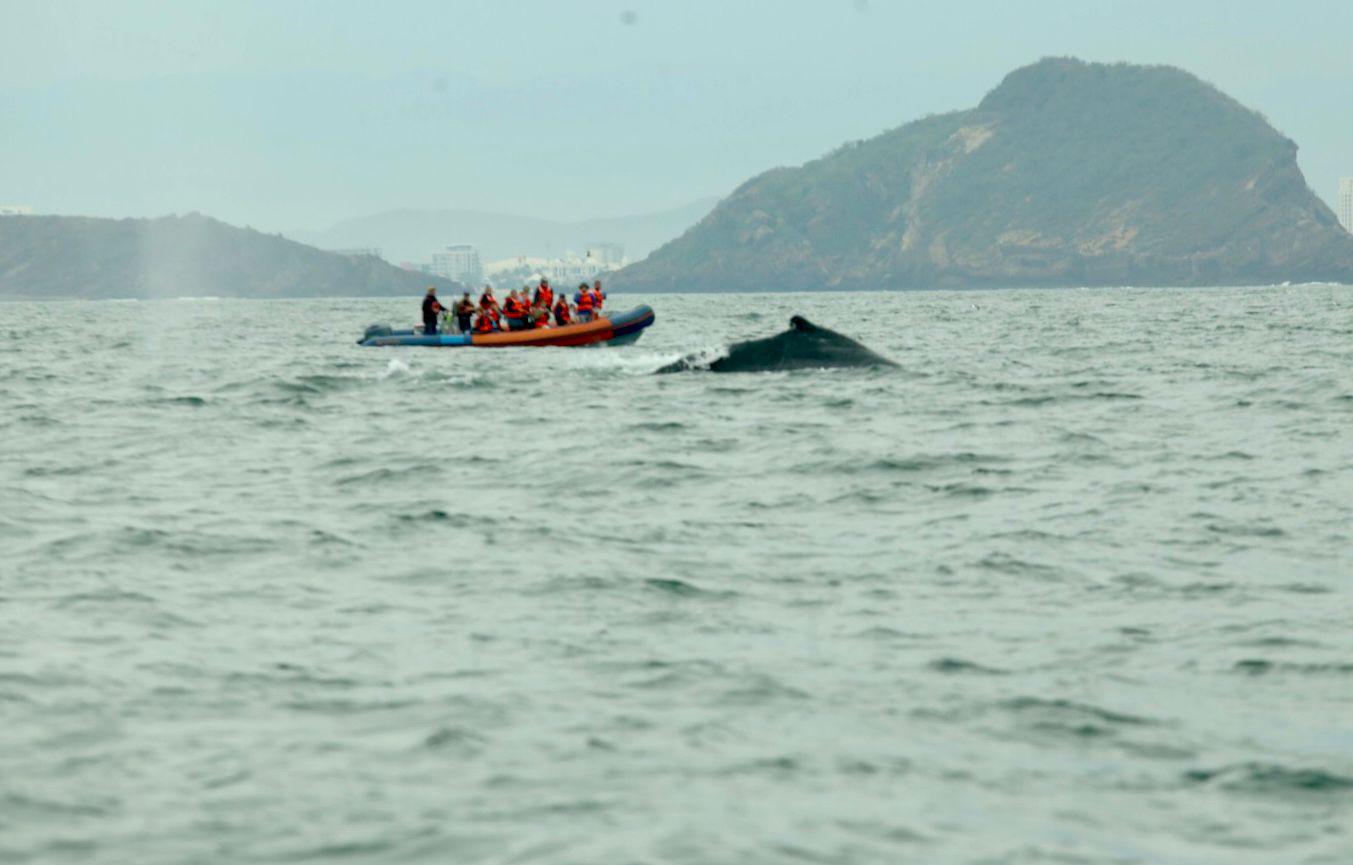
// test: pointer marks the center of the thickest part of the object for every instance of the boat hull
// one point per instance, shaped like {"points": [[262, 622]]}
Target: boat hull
{"points": [[618, 329]]}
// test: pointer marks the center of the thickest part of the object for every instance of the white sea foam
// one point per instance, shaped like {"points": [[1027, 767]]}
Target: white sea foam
{"points": [[395, 366]]}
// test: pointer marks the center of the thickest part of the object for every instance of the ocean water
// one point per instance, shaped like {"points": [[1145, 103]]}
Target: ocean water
{"points": [[1071, 585]]}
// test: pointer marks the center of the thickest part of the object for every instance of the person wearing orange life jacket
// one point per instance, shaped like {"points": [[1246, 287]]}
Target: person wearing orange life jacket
{"points": [[541, 315], [544, 294], [488, 307], [598, 296], [515, 311], [561, 316], [585, 303], [484, 323], [487, 300]]}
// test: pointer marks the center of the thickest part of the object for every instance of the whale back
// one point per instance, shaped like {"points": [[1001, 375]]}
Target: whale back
{"points": [[804, 346]]}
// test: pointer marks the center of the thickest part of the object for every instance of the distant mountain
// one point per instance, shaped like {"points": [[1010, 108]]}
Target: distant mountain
{"points": [[181, 256], [413, 235], [1068, 173]]}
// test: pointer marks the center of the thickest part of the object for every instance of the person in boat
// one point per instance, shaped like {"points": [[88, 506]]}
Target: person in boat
{"points": [[584, 302], [464, 312], [540, 315], [431, 310], [484, 323], [516, 311], [528, 317], [561, 314], [598, 296], [544, 294], [487, 300]]}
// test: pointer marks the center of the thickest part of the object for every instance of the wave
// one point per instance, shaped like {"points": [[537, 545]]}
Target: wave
{"points": [[1262, 666], [1272, 779]]}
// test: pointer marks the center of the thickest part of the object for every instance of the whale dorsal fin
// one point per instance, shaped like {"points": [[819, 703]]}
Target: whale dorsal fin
{"points": [[802, 325]]}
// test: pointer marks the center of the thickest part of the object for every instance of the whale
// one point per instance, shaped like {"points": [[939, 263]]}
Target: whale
{"points": [[804, 346]]}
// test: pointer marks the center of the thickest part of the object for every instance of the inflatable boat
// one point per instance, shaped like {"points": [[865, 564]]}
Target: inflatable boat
{"points": [[611, 329]]}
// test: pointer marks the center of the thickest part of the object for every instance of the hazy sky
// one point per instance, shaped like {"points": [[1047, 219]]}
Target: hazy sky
{"points": [[288, 114]]}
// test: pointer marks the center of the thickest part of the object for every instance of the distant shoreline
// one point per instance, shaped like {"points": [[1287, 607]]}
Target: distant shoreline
{"points": [[622, 294]]}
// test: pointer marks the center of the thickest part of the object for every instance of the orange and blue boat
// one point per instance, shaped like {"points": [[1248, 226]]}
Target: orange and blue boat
{"points": [[611, 329]]}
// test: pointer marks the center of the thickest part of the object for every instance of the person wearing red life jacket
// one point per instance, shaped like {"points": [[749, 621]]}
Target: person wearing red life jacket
{"points": [[561, 316], [541, 315], [515, 311], [484, 323], [544, 294], [487, 300], [598, 296], [585, 303]]}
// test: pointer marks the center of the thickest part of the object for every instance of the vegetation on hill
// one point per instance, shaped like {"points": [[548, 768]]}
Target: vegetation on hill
{"points": [[1068, 173], [181, 256]]}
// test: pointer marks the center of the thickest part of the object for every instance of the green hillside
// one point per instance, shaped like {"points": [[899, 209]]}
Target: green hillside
{"points": [[1068, 173], [180, 256]]}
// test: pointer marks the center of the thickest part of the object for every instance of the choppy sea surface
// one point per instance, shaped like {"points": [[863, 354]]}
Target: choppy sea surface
{"points": [[1071, 585]]}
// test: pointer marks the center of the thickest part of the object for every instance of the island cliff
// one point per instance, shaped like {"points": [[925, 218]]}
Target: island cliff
{"points": [[1067, 174]]}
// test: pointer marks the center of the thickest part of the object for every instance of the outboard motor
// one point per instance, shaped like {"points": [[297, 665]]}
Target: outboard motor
{"points": [[373, 330]]}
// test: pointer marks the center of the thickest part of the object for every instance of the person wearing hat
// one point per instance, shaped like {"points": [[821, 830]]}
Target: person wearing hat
{"points": [[584, 302], [431, 309]]}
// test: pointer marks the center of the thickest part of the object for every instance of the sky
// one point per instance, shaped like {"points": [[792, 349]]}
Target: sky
{"points": [[289, 114]]}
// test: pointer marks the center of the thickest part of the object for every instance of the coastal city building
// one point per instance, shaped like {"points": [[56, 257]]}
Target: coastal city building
{"points": [[1346, 202], [571, 267], [15, 210], [607, 254], [458, 262]]}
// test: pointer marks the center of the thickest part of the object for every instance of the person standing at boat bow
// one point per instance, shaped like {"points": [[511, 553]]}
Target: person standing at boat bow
{"points": [[431, 309]]}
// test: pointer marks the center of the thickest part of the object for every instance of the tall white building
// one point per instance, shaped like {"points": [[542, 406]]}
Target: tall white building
{"points": [[459, 262], [607, 255], [1346, 202]]}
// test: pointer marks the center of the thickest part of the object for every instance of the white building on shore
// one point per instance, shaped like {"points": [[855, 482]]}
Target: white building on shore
{"points": [[608, 254], [15, 210], [458, 262], [569, 268]]}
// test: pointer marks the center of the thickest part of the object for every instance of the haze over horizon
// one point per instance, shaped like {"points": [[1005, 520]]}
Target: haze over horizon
{"points": [[308, 114]]}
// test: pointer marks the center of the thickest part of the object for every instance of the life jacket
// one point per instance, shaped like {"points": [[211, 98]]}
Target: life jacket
{"points": [[512, 308], [561, 313], [585, 301], [483, 324], [545, 296], [599, 296]]}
